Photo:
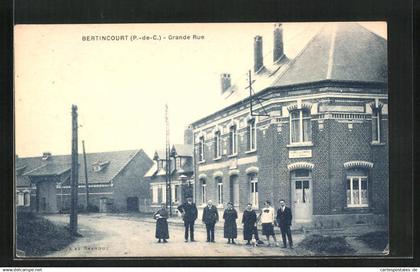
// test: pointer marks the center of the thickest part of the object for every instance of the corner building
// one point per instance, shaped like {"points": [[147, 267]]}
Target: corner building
{"points": [[317, 134]]}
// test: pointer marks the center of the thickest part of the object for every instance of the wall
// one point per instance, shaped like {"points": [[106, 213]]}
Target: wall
{"points": [[130, 182], [334, 142]]}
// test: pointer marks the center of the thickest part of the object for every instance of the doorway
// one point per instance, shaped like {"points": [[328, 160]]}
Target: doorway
{"points": [[132, 204], [301, 189], [234, 190]]}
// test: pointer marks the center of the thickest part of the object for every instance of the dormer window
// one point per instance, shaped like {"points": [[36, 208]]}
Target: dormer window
{"points": [[99, 166], [46, 156]]}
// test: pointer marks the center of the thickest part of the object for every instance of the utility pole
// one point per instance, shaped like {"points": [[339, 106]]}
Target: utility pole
{"points": [[86, 178], [74, 172], [168, 164]]}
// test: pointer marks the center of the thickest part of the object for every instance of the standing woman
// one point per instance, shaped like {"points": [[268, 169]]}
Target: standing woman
{"points": [[230, 230], [249, 219], [161, 216]]}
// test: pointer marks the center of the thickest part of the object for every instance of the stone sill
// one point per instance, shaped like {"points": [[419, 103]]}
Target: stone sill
{"points": [[232, 155], [201, 162], [377, 143], [251, 151], [217, 159], [303, 144]]}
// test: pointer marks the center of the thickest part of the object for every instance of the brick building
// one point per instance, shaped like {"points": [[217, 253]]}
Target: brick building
{"points": [[115, 181], [181, 165], [323, 146]]}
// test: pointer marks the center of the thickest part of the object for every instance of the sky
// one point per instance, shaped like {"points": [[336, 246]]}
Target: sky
{"points": [[121, 87]]}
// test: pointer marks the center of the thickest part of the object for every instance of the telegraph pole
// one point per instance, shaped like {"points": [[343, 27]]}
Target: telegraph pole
{"points": [[74, 172], [86, 177], [168, 164]]}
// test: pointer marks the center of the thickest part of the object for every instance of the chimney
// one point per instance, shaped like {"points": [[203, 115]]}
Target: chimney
{"points": [[258, 54], [278, 42], [225, 82], [188, 135]]}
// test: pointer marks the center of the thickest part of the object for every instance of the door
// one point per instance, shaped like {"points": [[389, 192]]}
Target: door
{"points": [[132, 204], [103, 204], [234, 190], [301, 183]]}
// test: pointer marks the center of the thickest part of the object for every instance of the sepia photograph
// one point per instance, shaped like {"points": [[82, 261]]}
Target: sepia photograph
{"points": [[201, 140]]}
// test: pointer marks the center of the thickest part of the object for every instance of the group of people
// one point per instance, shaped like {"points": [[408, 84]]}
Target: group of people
{"points": [[250, 220]]}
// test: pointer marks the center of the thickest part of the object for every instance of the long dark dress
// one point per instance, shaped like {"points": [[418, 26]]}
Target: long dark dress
{"points": [[230, 229], [162, 231], [249, 219]]}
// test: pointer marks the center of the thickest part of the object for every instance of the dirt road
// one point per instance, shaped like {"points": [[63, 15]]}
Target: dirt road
{"points": [[125, 236]]}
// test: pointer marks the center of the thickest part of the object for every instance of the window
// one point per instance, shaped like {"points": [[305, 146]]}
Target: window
{"points": [[254, 189], [232, 141], [203, 191], [357, 191], [178, 163], [19, 199], [176, 192], [252, 135], [219, 183], [300, 126], [201, 149], [159, 194], [27, 199], [217, 153], [376, 125]]}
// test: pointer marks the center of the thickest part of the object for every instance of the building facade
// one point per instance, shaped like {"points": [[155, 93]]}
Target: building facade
{"points": [[115, 182], [180, 176], [314, 132]]}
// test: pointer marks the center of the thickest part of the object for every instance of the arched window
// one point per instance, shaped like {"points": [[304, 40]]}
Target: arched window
{"points": [[201, 149], [252, 135], [300, 126], [357, 187], [376, 123], [217, 145], [233, 149], [219, 183]]}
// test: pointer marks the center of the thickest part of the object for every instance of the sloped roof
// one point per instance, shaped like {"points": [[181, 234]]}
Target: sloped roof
{"points": [[341, 52], [49, 169], [57, 164], [184, 150], [344, 52]]}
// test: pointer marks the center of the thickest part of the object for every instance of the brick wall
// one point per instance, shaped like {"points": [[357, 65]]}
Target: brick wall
{"points": [[335, 142]]}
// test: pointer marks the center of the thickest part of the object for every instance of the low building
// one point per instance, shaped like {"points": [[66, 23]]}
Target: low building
{"points": [[181, 167], [115, 181], [314, 132]]}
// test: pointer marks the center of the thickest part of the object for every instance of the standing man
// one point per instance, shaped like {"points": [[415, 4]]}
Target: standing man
{"points": [[189, 212], [210, 217], [284, 220]]}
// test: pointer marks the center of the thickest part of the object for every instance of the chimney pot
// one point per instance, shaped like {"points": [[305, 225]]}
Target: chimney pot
{"points": [[278, 42], [225, 82], [258, 54]]}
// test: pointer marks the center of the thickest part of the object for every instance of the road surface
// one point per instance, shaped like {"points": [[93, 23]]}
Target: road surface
{"points": [[127, 236]]}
